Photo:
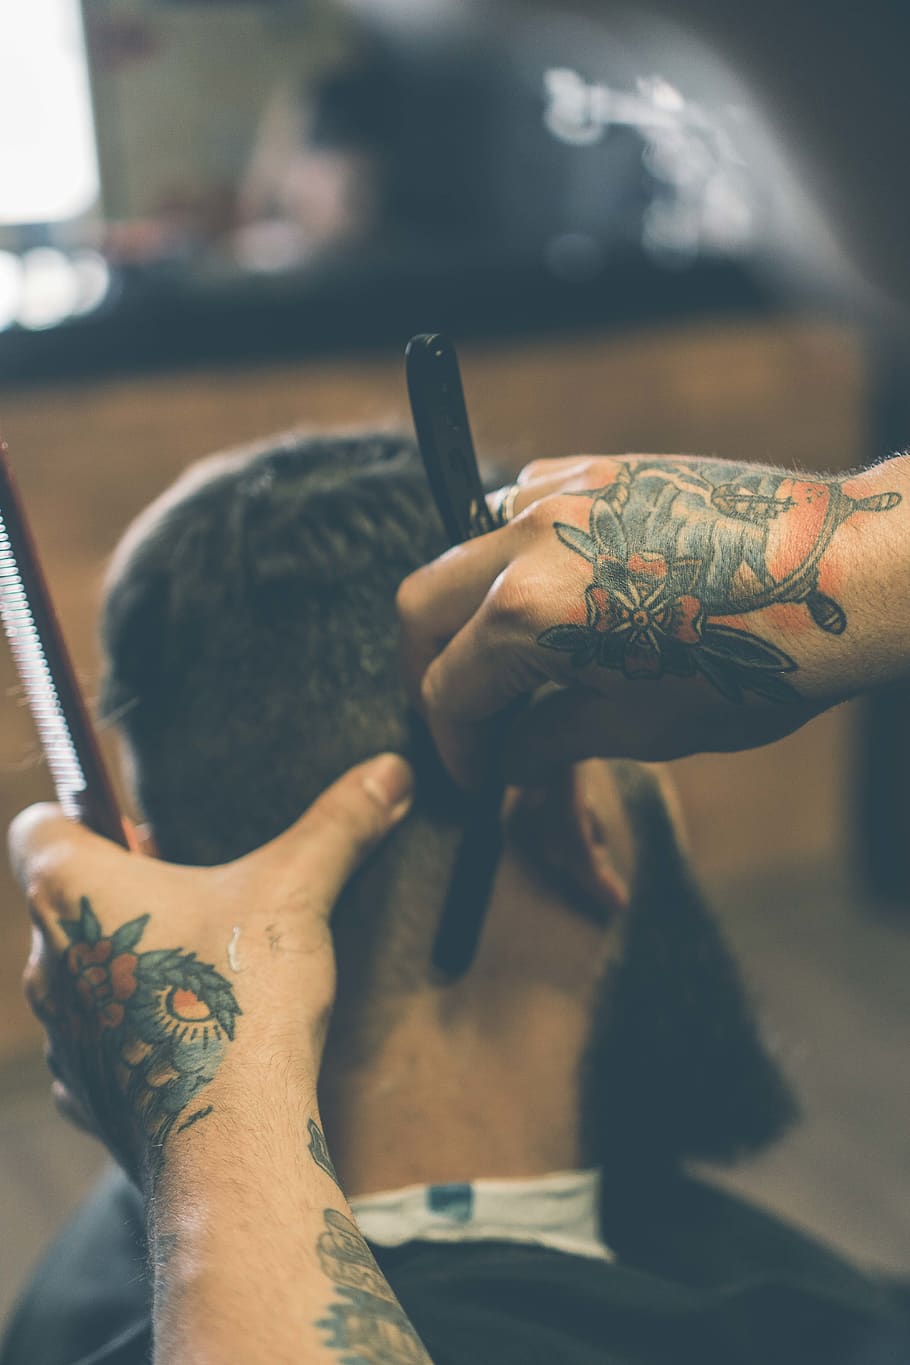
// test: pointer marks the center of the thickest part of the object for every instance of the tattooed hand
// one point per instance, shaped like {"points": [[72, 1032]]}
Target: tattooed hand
{"points": [[160, 985], [680, 605]]}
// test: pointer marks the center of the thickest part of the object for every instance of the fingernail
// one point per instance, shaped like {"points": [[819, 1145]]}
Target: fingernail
{"points": [[390, 782]]}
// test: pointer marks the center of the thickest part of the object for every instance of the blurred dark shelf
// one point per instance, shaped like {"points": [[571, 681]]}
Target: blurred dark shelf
{"points": [[163, 324]]}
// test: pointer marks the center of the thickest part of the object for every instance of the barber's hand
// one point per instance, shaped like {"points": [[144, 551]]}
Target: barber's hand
{"points": [[158, 984], [678, 604]]}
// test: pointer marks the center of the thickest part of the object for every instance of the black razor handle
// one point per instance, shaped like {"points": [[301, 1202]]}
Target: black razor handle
{"points": [[444, 437], [447, 451]]}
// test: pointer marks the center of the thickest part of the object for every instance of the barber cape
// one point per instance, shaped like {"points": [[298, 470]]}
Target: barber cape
{"points": [[502, 1272]]}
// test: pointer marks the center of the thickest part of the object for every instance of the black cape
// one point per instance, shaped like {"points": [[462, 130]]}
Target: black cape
{"points": [[700, 1277]]}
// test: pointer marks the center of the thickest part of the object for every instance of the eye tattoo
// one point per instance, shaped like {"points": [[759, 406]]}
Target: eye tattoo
{"points": [[716, 547], [163, 1017]]}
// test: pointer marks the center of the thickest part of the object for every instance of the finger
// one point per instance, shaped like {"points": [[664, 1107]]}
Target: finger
{"points": [[436, 601], [318, 855], [490, 663], [50, 854], [542, 478]]}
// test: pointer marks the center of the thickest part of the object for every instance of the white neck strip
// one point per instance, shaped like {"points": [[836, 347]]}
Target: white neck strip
{"points": [[558, 1211]]}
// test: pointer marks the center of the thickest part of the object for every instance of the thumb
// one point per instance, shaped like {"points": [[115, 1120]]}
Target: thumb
{"points": [[321, 852]]}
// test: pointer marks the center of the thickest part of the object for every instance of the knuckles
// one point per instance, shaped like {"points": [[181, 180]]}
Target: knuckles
{"points": [[33, 835], [537, 518], [536, 522], [539, 469], [593, 469], [514, 601], [576, 469]]}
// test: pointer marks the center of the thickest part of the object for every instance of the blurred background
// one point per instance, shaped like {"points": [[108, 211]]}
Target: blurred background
{"points": [[654, 227]]}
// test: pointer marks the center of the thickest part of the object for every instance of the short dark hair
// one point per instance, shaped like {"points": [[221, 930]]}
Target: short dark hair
{"points": [[250, 634]]}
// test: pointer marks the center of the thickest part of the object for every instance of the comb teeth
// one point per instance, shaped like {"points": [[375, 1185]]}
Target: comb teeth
{"points": [[35, 675]]}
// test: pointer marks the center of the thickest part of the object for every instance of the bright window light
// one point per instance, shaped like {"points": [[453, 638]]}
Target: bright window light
{"points": [[48, 164]]}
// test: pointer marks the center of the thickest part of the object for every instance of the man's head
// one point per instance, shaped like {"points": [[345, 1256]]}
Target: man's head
{"points": [[251, 642]]}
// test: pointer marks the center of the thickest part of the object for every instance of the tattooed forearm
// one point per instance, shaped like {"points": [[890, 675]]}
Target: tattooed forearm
{"points": [[150, 1026], [677, 548], [319, 1151], [366, 1325]]}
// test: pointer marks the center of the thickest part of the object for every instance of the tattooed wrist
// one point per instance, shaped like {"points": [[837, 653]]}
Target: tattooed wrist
{"points": [[143, 1032], [365, 1323], [690, 560]]}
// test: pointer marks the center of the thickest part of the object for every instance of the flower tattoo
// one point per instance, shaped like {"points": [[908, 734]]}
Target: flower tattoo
{"points": [[716, 548], [103, 981], [645, 606], [147, 1025]]}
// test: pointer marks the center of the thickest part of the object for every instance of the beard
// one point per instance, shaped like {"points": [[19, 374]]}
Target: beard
{"points": [[676, 1068]]}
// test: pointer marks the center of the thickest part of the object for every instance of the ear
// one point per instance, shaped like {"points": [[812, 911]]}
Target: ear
{"points": [[574, 834]]}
